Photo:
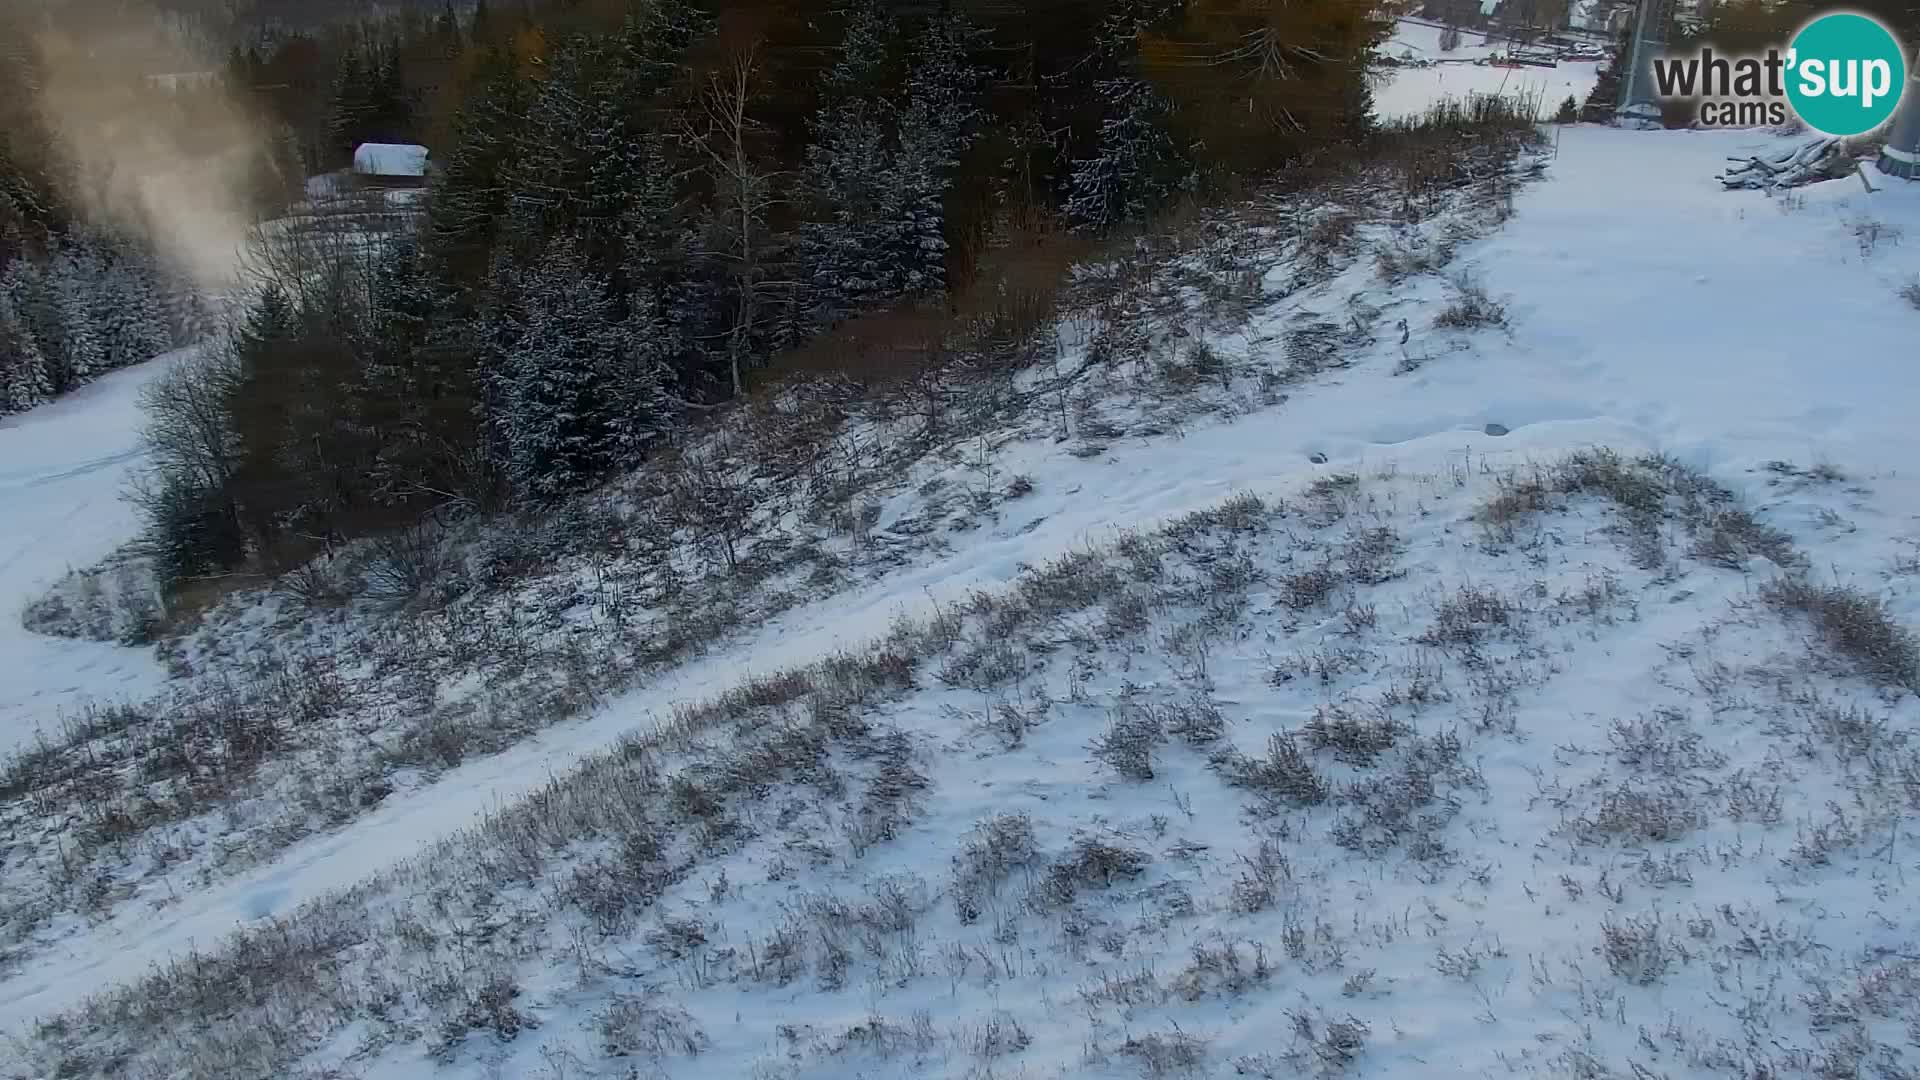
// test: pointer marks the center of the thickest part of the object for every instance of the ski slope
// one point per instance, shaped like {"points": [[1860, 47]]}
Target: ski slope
{"points": [[62, 469], [1650, 311], [1409, 91]]}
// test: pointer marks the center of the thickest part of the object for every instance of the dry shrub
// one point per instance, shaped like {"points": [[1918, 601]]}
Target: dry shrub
{"points": [[1856, 627]]}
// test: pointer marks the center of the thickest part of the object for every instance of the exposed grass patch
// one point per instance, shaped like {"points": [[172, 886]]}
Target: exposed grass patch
{"points": [[1639, 950], [1730, 537], [1093, 863], [1652, 494], [1471, 308], [1284, 776], [1354, 739], [1517, 499], [1170, 1053], [1854, 628], [1910, 292], [647, 1027], [1469, 616], [1310, 589], [1128, 743], [1636, 815], [1636, 486], [998, 847], [1870, 233]]}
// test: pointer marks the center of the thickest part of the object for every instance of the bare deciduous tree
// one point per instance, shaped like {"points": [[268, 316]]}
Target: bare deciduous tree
{"points": [[721, 128]]}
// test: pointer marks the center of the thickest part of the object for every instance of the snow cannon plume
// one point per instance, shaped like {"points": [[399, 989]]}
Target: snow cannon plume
{"points": [[156, 144]]}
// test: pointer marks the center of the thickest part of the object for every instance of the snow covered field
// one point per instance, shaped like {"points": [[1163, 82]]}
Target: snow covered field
{"points": [[62, 468], [1592, 799], [1409, 91]]}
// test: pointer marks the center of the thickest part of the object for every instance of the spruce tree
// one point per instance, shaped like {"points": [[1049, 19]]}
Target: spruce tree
{"points": [[1604, 98], [389, 115], [36, 314], [132, 315], [850, 177], [570, 398], [878, 170], [943, 111], [1261, 84], [470, 196], [23, 370], [654, 256], [412, 398], [1137, 167], [75, 277], [350, 104], [189, 530]]}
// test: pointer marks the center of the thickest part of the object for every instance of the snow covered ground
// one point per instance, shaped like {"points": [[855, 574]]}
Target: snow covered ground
{"points": [[1550, 811], [62, 468], [1588, 897], [1409, 91]]}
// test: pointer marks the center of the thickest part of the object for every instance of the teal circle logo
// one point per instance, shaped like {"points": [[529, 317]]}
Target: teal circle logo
{"points": [[1845, 73]]}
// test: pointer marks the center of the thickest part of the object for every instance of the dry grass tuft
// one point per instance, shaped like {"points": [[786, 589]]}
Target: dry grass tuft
{"points": [[1857, 629]]}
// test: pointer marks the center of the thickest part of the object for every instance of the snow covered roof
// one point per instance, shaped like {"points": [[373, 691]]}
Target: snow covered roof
{"points": [[180, 80], [390, 159]]}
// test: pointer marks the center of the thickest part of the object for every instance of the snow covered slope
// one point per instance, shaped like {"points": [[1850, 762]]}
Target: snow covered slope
{"points": [[62, 468], [1437, 772], [1409, 91], [1630, 827]]}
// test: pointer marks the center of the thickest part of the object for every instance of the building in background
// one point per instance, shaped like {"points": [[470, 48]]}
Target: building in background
{"points": [[390, 165]]}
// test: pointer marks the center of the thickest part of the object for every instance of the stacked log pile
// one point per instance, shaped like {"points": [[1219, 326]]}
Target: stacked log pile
{"points": [[1824, 158]]}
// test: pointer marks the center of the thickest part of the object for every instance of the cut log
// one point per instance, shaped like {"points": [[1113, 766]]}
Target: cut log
{"points": [[1815, 160]]}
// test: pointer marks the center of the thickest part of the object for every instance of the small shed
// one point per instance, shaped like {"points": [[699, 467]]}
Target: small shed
{"points": [[178, 81], [390, 165]]}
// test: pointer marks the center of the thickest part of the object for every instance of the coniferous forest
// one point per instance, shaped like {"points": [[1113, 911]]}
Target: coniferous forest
{"points": [[639, 211]]}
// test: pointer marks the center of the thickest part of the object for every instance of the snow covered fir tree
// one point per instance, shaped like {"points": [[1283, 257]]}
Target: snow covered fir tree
{"points": [[85, 307]]}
